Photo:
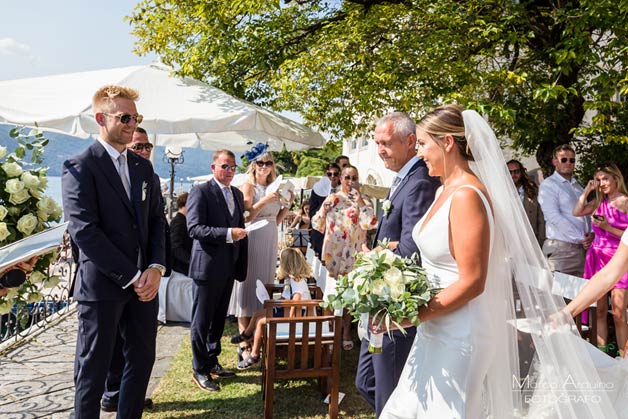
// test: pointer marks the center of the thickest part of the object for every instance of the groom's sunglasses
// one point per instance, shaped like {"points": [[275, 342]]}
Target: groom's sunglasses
{"points": [[564, 160]]}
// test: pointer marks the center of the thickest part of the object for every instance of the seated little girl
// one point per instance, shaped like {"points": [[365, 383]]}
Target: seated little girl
{"points": [[294, 271]]}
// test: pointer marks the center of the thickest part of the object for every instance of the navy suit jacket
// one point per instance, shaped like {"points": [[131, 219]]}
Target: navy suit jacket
{"points": [[411, 199], [111, 232], [208, 220]]}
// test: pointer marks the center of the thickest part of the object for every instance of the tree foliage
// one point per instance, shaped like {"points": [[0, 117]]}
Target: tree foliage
{"points": [[536, 68]]}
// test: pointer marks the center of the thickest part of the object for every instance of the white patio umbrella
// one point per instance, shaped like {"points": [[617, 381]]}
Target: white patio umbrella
{"points": [[177, 111]]}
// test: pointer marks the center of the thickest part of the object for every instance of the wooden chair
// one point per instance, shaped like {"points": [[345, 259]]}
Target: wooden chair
{"points": [[309, 344]]}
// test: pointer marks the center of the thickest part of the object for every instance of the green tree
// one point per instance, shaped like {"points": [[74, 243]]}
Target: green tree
{"points": [[534, 67]]}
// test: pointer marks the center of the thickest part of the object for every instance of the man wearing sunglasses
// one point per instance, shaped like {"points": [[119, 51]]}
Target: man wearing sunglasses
{"points": [[116, 221], [215, 220], [109, 403], [567, 237], [332, 171]]}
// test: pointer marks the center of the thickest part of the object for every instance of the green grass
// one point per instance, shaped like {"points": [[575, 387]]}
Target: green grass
{"points": [[241, 397]]}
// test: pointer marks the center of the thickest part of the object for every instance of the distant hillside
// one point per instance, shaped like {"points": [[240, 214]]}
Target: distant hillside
{"points": [[196, 161]]}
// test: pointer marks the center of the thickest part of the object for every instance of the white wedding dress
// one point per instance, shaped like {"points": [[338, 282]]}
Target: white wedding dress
{"points": [[444, 374]]}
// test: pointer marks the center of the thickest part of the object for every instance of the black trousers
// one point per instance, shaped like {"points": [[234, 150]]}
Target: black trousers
{"points": [[211, 302], [99, 324]]}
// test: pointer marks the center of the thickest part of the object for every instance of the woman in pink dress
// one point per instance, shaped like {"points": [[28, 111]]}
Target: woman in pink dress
{"points": [[609, 216]]}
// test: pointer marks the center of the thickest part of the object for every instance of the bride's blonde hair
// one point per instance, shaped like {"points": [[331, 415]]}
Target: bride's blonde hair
{"points": [[446, 120]]}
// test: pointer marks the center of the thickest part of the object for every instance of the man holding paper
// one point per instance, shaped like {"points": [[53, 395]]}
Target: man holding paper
{"points": [[215, 220]]}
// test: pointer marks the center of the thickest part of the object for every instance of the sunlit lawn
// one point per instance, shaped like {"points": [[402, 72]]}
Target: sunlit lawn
{"points": [[240, 397]]}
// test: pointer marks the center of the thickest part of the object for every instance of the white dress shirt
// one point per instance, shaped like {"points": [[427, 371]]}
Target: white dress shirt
{"points": [[558, 197]]}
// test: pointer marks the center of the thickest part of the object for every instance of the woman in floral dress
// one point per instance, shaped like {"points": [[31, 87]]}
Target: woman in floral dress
{"points": [[344, 218]]}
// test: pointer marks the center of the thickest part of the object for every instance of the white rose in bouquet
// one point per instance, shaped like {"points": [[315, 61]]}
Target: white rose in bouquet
{"points": [[53, 281], [3, 152], [379, 288], [396, 291], [43, 181], [389, 256], [35, 193], [393, 276], [34, 297], [3, 212], [36, 277], [4, 232], [12, 169], [19, 198], [27, 223], [5, 307], [14, 186], [30, 181]]}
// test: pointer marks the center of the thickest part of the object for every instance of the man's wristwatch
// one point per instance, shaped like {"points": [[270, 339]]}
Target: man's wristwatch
{"points": [[160, 268]]}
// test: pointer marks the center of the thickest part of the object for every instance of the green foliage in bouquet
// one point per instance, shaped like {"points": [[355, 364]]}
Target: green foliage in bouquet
{"points": [[25, 210], [386, 286]]}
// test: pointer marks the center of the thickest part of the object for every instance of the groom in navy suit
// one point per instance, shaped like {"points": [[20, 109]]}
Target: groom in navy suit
{"points": [[409, 198], [116, 222], [215, 220]]}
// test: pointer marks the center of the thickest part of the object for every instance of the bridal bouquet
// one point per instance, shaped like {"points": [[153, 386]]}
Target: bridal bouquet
{"points": [[384, 286]]}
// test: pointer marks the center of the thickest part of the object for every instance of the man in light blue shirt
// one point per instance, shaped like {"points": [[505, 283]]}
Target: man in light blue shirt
{"points": [[567, 236]]}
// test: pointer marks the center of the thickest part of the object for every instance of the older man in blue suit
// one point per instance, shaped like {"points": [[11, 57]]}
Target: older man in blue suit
{"points": [[116, 222], [215, 220], [410, 196]]}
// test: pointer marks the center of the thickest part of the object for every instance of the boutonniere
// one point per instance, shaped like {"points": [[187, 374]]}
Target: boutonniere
{"points": [[144, 190], [387, 206]]}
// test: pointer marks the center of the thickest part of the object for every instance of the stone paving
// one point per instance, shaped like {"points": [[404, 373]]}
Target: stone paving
{"points": [[36, 379]]}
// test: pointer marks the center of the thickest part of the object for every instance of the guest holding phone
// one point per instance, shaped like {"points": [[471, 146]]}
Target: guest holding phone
{"points": [[609, 216], [344, 218]]}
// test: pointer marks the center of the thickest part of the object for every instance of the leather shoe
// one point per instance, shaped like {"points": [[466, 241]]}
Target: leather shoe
{"points": [[112, 405], [219, 372], [205, 382]]}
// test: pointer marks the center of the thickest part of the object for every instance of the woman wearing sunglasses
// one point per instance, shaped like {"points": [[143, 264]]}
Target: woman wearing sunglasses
{"points": [[609, 217], [344, 218], [262, 257]]}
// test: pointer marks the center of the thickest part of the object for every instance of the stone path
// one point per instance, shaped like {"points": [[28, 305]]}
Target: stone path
{"points": [[36, 379]]}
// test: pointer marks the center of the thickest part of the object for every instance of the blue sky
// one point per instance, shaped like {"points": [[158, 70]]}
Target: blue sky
{"points": [[43, 37]]}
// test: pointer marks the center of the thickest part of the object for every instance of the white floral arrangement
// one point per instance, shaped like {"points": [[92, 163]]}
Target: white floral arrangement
{"points": [[25, 210], [384, 286], [387, 206]]}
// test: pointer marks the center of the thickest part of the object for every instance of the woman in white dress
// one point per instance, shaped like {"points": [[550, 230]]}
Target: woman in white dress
{"points": [[473, 240], [262, 256]]}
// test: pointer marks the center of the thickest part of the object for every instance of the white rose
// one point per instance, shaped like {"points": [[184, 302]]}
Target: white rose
{"points": [[4, 232], [14, 185], [30, 180], [3, 212], [27, 223], [57, 212], [397, 290], [393, 276], [43, 181], [47, 204], [33, 297], [379, 288], [42, 215], [5, 304], [53, 281], [19, 198], [35, 193], [389, 256], [3, 152], [36, 277], [12, 169]]}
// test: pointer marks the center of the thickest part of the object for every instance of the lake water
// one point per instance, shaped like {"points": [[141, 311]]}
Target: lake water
{"points": [[54, 188]]}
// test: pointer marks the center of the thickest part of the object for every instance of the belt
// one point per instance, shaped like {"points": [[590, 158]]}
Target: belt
{"points": [[564, 243]]}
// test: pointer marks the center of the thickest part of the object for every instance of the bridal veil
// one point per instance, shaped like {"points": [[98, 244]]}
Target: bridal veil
{"points": [[564, 381]]}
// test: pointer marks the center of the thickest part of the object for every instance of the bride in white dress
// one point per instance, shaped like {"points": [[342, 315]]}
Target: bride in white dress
{"points": [[473, 240]]}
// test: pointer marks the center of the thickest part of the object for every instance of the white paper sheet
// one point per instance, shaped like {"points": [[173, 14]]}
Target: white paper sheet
{"points": [[256, 225], [274, 187], [35, 245]]}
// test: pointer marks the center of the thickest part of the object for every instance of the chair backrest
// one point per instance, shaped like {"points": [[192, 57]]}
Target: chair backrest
{"points": [[310, 345]]}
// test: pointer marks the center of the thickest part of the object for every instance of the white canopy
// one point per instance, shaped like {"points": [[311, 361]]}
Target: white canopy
{"points": [[180, 112]]}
